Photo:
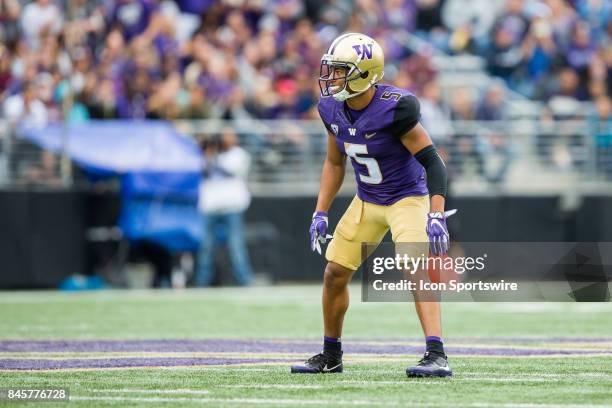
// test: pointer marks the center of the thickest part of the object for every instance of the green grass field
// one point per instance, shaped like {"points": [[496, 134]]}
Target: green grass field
{"points": [[233, 347]]}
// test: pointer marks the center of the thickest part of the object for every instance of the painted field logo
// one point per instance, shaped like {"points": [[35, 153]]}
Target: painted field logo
{"points": [[363, 50]]}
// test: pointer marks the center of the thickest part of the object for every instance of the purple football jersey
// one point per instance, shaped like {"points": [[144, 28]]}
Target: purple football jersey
{"points": [[384, 169]]}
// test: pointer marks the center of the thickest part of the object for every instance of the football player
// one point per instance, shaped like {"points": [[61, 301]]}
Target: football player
{"points": [[401, 181]]}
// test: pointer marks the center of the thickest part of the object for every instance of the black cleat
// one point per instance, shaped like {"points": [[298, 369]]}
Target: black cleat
{"points": [[321, 363], [431, 365]]}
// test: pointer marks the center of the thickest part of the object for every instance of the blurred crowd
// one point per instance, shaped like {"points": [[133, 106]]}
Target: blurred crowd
{"points": [[540, 48], [97, 59], [77, 60]]}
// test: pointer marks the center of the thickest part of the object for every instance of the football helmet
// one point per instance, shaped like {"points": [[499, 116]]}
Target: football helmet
{"points": [[352, 64]]}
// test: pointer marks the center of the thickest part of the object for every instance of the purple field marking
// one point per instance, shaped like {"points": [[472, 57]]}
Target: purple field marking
{"points": [[222, 346], [44, 364], [259, 346]]}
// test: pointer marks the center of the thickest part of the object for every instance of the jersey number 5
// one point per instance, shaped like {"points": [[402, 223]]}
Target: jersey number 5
{"points": [[374, 175]]}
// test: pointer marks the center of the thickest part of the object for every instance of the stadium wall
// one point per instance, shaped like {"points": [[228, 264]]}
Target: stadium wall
{"points": [[43, 233], [41, 237]]}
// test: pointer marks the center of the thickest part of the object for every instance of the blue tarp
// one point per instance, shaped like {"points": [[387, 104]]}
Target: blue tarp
{"points": [[174, 225], [121, 146], [160, 172]]}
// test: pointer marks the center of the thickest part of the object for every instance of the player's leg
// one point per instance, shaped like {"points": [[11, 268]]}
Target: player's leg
{"points": [[429, 316], [362, 222], [335, 298], [407, 219], [335, 304]]}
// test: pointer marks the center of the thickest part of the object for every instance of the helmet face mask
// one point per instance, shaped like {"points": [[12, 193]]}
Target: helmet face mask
{"points": [[353, 63], [334, 77]]}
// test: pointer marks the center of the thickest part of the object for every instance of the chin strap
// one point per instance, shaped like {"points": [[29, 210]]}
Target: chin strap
{"points": [[344, 94]]}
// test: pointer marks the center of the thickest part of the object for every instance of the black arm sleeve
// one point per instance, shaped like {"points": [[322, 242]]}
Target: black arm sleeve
{"points": [[406, 115], [435, 168]]}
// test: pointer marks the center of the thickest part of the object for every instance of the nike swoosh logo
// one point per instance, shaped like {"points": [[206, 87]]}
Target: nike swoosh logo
{"points": [[326, 369], [439, 224], [370, 135]]}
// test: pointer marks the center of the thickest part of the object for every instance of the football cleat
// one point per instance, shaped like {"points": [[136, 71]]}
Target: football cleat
{"points": [[431, 365], [321, 363]]}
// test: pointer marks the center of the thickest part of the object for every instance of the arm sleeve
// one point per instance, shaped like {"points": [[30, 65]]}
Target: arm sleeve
{"points": [[406, 115], [435, 169]]}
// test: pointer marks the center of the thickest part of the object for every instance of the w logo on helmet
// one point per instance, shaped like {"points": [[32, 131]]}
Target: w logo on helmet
{"points": [[363, 50]]}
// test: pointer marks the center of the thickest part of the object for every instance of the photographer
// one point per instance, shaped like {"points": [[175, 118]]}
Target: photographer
{"points": [[223, 199]]}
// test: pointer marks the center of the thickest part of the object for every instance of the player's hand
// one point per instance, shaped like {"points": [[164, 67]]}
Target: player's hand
{"points": [[437, 231], [318, 231]]}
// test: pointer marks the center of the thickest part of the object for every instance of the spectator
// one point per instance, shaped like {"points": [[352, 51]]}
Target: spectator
{"points": [[99, 99], [601, 129], [562, 16], [223, 199], [513, 21], [25, 108], [134, 18], [476, 15], [419, 70], [565, 85], [493, 139], [539, 50], [581, 51], [464, 149], [429, 15], [5, 70], [132, 103], [504, 56], [492, 106], [400, 14], [10, 10], [435, 115], [45, 174], [598, 14], [198, 106], [40, 18]]}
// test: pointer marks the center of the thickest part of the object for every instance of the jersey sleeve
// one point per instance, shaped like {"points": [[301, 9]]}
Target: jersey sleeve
{"points": [[406, 115]]}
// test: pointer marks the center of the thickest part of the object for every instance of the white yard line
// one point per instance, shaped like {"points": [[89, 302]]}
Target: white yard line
{"points": [[149, 391], [241, 401], [548, 375], [453, 379], [301, 401], [278, 386]]}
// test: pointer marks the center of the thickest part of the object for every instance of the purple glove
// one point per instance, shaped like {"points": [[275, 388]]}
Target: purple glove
{"points": [[318, 231], [439, 240]]}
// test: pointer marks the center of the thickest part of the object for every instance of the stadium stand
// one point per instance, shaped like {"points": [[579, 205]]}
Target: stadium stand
{"points": [[510, 89]]}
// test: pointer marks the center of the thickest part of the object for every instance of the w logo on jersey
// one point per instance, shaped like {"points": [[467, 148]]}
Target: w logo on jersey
{"points": [[363, 50], [352, 131]]}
